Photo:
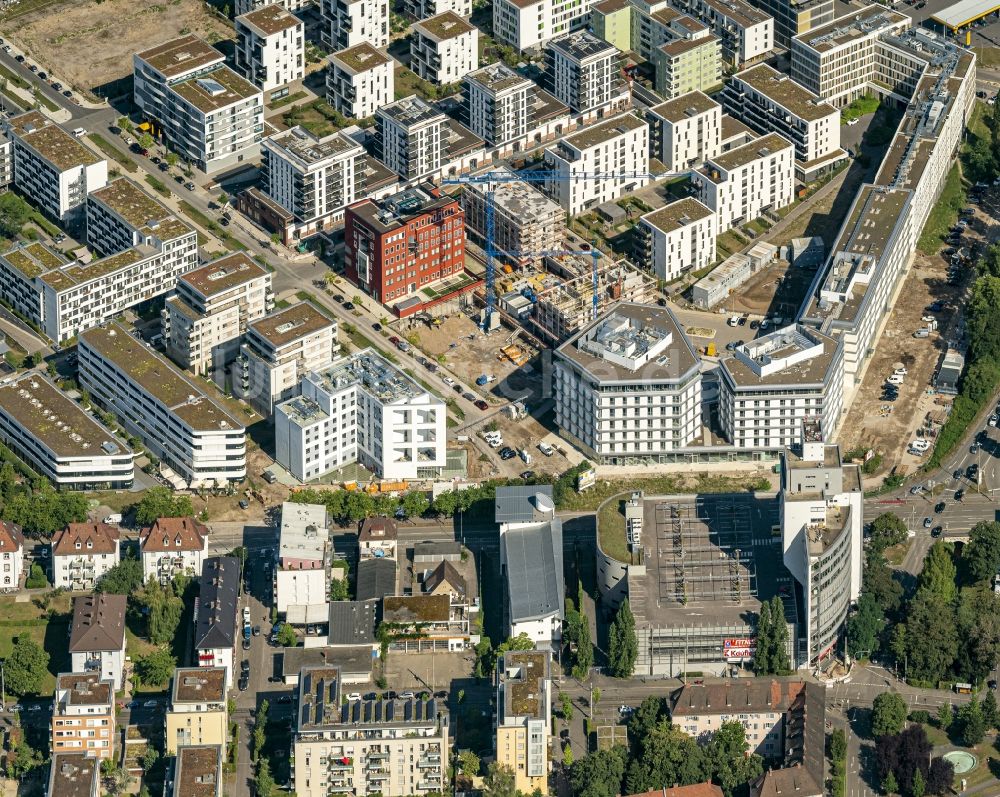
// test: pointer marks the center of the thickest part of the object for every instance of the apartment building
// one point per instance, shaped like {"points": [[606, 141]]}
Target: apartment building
{"points": [[742, 184], [246, 6], [628, 386], [745, 32], [406, 243], [52, 167], [11, 555], [793, 18], [611, 20], [206, 317], [422, 623], [197, 771], [582, 71], [497, 104], [618, 148], [361, 409], [356, 747], [173, 415], [278, 351], [686, 131], [6, 160], [360, 80], [270, 48], [60, 440], [677, 238], [173, 546], [73, 775], [409, 137], [770, 102], [216, 625], [82, 553], [205, 112], [526, 223], [689, 63], [822, 514], [97, 637], [304, 552], [197, 713], [444, 49], [83, 716], [424, 9], [775, 385], [528, 24], [524, 716], [346, 23]]}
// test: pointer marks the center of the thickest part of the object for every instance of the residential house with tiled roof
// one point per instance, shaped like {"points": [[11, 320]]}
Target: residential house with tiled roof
{"points": [[82, 553], [97, 636], [11, 555], [173, 546]]}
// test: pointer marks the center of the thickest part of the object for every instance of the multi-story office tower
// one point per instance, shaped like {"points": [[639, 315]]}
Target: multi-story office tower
{"points": [[349, 22], [497, 103], [444, 49], [216, 626], [197, 712], [361, 409], [773, 386], [743, 183], [83, 715], [677, 238], [360, 80], [198, 771], [792, 18], [52, 167], [526, 222], [628, 387], [409, 137], [410, 241], [423, 9], [686, 131], [270, 47], [73, 775], [169, 411], [173, 546], [205, 111], [770, 102], [582, 71], [279, 350], [59, 439], [524, 716], [82, 553], [304, 552], [11, 555], [528, 24], [207, 316], [746, 33], [618, 148], [356, 747], [97, 636], [822, 512]]}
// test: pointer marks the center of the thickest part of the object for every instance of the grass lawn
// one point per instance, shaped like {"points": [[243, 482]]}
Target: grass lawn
{"points": [[897, 553], [44, 223], [860, 107], [987, 56], [158, 185], [989, 763], [454, 409], [944, 213], [113, 152], [317, 117], [24, 618], [611, 529], [592, 498], [288, 99]]}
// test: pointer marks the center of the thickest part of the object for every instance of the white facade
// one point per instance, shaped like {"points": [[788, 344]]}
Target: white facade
{"points": [[424, 9], [581, 71], [361, 409], [360, 80], [97, 633], [746, 32], [246, 6], [82, 553], [173, 547], [686, 131], [270, 47], [303, 557], [444, 49], [410, 137], [618, 148], [526, 25], [346, 23], [109, 663], [497, 103], [11, 555], [680, 237]]}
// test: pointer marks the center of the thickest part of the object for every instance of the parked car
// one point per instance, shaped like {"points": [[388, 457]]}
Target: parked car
{"points": [[348, 305], [189, 186], [939, 507], [936, 531], [928, 522], [959, 494], [377, 326], [507, 453], [340, 300], [482, 405]]}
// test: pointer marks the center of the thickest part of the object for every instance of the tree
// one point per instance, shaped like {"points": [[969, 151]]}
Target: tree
{"points": [[339, 589], [878, 581], [415, 503], [887, 530], [124, 578], [124, 124], [259, 731], [762, 653], [888, 714], [989, 710], [940, 776], [566, 704], [25, 666], [568, 755], [14, 214], [668, 756], [779, 635], [838, 744], [931, 637], [25, 759], [889, 785], [599, 774], [156, 667], [623, 647], [731, 763], [146, 141], [939, 574], [970, 718], [918, 787], [865, 627], [162, 609], [577, 634], [172, 159], [520, 642], [160, 502], [43, 511], [287, 638], [499, 781], [981, 557], [264, 782], [903, 754], [36, 577], [978, 619], [149, 758], [944, 716], [467, 763]]}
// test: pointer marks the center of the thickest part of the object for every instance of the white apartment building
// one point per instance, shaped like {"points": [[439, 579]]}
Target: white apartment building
{"points": [[205, 111], [83, 715], [741, 184], [822, 514], [207, 316], [581, 71], [361, 409], [628, 386], [409, 137], [60, 440], [97, 636], [199, 442], [216, 626], [246, 6], [82, 553], [304, 550], [444, 49], [497, 103], [270, 47], [6, 160], [278, 351], [770, 102], [173, 546], [686, 131], [746, 32], [528, 24], [356, 747], [677, 238], [360, 80], [618, 148], [774, 386], [349, 22], [53, 167], [11, 555], [424, 9]]}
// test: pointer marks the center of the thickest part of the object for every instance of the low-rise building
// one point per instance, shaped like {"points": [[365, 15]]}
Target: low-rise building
{"points": [[446, 580], [528, 24], [59, 439], [173, 546], [11, 555], [171, 413], [197, 714], [421, 623], [360, 80], [97, 637], [198, 771], [270, 48], [376, 579], [686, 131], [377, 538], [73, 775], [82, 553], [304, 552], [216, 627], [524, 716], [346, 23], [677, 238], [582, 71], [83, 715], [444, 49]]}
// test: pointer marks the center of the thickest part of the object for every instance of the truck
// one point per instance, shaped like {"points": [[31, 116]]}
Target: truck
{"points": [[484, 379]]}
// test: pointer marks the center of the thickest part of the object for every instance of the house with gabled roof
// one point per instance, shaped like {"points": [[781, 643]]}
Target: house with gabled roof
{"points": [[82, 553], [173, 546]]}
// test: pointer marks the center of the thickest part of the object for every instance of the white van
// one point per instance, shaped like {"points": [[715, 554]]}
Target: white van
{"points": [[79, 132], [546, 449], [113, 520], [922, 333]]}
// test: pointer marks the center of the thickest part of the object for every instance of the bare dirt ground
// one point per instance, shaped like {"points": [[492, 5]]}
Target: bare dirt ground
{"points": [[776, 290], [91, 44]]}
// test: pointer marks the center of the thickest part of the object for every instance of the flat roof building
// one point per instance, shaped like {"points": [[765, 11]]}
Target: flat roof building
{"points": [[582, 71], [444, 49], [677, 238], [73, 775], [197, 714], [83, 715], [685, 131], [360, 80], [524, 716], [270, 47], [198, 771]]}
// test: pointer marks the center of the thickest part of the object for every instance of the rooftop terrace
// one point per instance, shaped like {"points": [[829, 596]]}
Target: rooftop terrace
{"points": [[182, 55]]}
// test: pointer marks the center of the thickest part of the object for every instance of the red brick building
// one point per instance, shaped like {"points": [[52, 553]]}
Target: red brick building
{"points": [[407, 250]]}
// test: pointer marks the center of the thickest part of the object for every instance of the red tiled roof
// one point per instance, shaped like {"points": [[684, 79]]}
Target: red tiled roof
{"points": [[103, 539], [695, 790], [378, 528], [11, 538], [166, 531]]}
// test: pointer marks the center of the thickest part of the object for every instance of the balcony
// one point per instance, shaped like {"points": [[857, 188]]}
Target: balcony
{"points": [[340, 764]]}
